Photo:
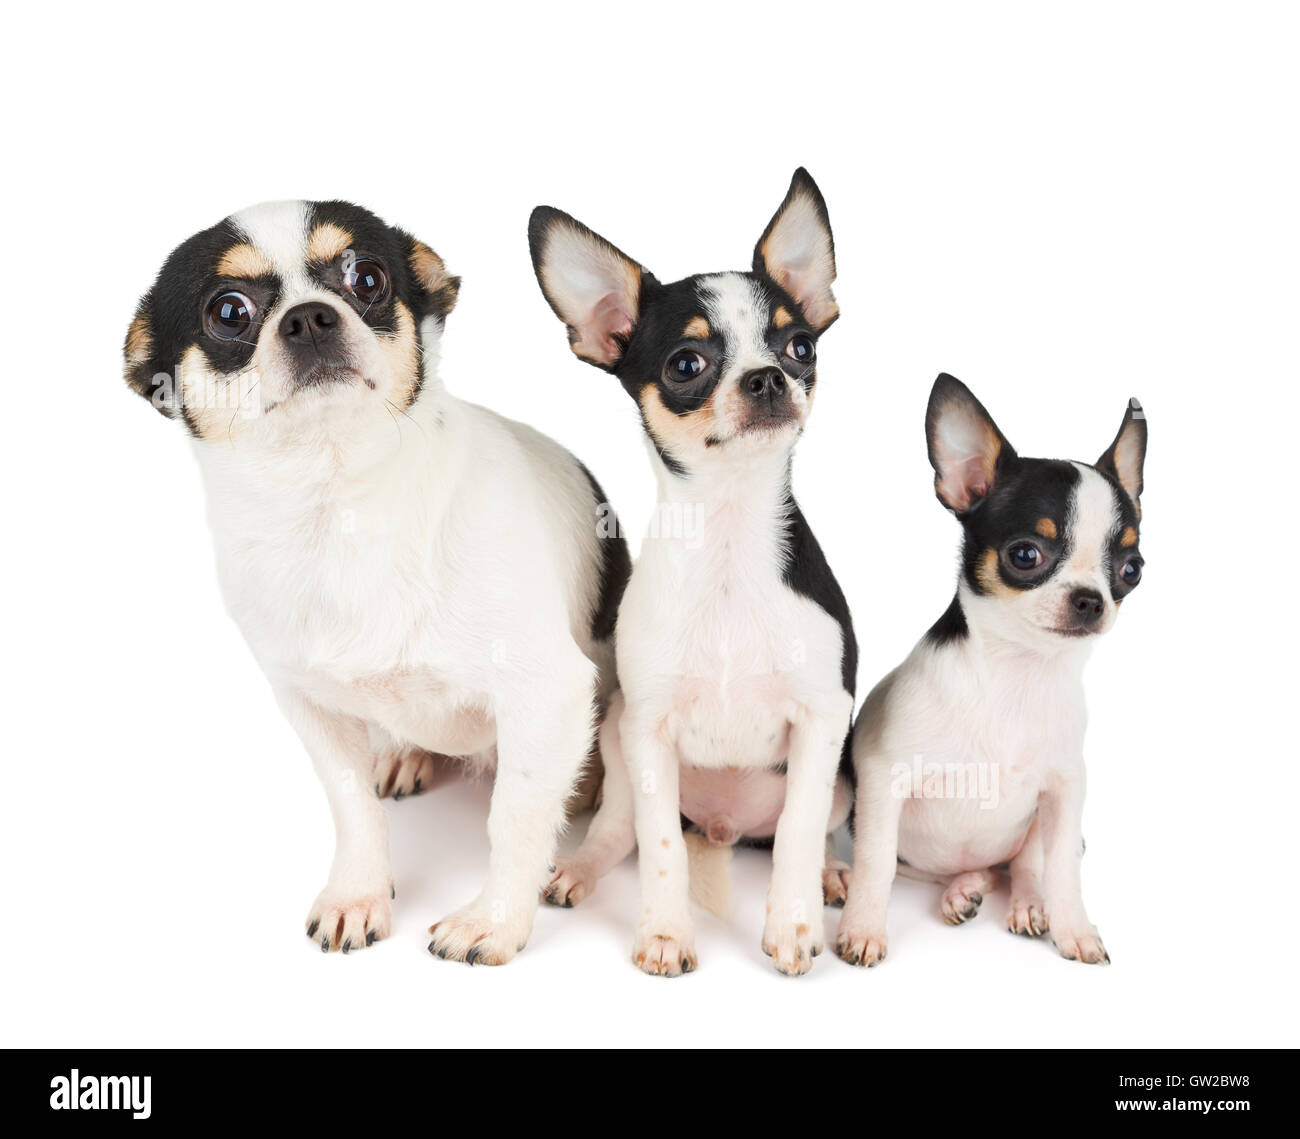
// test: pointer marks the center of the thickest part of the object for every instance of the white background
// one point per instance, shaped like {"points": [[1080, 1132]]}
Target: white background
{"points": [[1063, 210]]}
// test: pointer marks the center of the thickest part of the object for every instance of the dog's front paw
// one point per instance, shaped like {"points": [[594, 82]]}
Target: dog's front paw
{"points": [[835, 883], [861, 943], [1027, 916], [481, 934], [571, 882], [1080, 943], [343, 921], [402, 773], [665, 949], [792, 945]]}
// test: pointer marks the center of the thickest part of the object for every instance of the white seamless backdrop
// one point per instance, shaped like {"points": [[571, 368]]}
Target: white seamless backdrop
{"points": [[1063, 206]]}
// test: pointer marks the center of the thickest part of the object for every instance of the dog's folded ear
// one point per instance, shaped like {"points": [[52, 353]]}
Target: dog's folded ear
{"points": [[142, 371], [967, 450], [438, 289], [798, 252], [1123, 459], [593, 287]]}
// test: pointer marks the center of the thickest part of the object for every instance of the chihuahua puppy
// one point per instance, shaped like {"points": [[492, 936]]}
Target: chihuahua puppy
{"points": [[969, 755], [735, 651], [417, 576]]}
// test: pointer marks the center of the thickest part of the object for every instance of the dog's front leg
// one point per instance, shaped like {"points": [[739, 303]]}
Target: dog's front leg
{"points": [[543, 737], [794, 932], [353, 910], [1060, 818], [665, 936], [862, 939]]}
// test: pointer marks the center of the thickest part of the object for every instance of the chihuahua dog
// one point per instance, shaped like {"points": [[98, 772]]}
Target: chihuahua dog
{"points": [[735, 651], [1050, 552], [417, 576]]}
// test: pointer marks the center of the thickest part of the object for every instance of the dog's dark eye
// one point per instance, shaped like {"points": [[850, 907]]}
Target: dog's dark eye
{"points": [[1024, 556], [230, 315], [1130, 573], [367, 281], [801, 349], [685, 365]]}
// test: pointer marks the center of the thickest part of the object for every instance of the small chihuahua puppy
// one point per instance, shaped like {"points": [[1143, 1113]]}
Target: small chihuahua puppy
{"points": [[735, 652], [417, 576], [1050, 552]]}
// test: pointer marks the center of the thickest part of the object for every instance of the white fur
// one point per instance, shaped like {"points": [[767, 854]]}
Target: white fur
{"points": [[425, 579], [1007, 699], [725, 673]]}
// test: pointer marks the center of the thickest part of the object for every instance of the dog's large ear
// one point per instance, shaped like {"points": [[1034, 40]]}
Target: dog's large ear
{"points": [[798, 252], [438, 288], [966, 448], [141, 368], [592, 286], [1123, 459]]}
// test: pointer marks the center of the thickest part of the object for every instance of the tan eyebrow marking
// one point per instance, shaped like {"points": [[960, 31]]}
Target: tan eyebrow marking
{"points": [[327, 241], [697, 328], [1046, 527], [243, 260], [1129, 537], [782, 317]]}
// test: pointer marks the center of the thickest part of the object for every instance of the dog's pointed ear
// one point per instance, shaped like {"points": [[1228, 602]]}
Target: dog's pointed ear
{"points": [[593, 287], [967, 451], [798, 252], [1123, 459], [141, 369], [438, 289]]}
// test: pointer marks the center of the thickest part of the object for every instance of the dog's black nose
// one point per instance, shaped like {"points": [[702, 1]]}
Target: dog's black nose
{"points": [[1087, 605], [309, 323], [764, 384]]}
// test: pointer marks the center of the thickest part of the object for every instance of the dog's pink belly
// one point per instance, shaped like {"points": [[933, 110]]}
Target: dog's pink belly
{"points": [[946, 840], [727, 803]]}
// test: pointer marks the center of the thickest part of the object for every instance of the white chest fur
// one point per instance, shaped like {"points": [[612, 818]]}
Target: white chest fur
{"points": [[709, 634], [974, 732]]}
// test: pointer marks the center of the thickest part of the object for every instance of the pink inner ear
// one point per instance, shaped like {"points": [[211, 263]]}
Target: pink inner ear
{"points": [[609, 319], [965, 482]]}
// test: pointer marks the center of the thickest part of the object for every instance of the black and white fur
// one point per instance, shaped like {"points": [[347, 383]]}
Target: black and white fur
{"points": [[417, 576], [1050, 552], [736, 655]]}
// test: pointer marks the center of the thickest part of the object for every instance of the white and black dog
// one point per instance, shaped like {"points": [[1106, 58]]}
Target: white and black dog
{"points": [[416, 575], [736, 655], [969, 755]]}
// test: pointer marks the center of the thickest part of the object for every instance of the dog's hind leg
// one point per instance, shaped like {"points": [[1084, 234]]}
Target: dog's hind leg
{"points": [[611, 836], [961, 900]]}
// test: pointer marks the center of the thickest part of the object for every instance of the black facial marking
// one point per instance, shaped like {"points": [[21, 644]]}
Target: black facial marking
{"points": [[1025, 492], [657, 344], [174, 312], [1118, 554]]}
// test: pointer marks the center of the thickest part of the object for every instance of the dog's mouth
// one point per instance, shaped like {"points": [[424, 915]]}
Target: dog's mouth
{"points": [[1074, 631], [761, 424], [322, 373]]}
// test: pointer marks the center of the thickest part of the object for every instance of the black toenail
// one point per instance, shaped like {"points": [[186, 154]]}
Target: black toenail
{"points": [[311, 929], [347, 945], [433, 948], [324, 944], [472, 956], [418, 786], [392, 891], [370, 938]]}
